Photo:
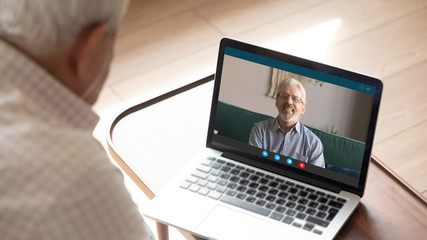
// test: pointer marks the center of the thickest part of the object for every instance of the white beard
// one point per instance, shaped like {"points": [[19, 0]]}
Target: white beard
{"points": [[288, 117]]}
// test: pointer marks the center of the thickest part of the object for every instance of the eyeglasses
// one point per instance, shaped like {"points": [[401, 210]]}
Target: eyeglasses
{"points": [[285, 96]]}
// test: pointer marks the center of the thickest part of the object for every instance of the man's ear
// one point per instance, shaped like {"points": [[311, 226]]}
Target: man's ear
{"points": [[84, 47]]}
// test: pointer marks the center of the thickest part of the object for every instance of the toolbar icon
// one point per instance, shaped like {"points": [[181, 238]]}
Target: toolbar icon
{"points": [[265, 153]]}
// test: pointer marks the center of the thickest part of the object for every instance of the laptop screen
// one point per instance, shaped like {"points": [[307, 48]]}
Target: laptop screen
{"points": [[287, 113]]}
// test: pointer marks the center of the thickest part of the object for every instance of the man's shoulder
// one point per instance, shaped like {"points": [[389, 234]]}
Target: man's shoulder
{"points": [[265, 123], [49, 140]]}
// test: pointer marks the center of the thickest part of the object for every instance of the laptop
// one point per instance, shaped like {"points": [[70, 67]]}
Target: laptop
{"points": [[277, 189]]}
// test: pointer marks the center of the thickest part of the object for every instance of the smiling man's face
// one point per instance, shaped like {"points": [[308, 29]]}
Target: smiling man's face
{"points": [[289, 103]]}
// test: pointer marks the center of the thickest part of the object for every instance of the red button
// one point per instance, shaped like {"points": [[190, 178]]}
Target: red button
{"points": [[302, 165]]}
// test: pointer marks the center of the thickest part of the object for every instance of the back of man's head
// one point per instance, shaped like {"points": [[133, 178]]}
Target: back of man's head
{"points": [[42, 26]]}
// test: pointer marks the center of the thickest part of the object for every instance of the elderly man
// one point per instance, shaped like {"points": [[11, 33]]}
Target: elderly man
{"points": [[56, 181], [285, 134]]}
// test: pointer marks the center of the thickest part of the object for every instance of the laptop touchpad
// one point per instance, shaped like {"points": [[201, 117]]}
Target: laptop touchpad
{"points": [[227, 223]]}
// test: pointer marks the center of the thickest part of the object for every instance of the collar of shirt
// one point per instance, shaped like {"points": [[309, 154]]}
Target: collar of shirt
{"points": [[295, 129], [43, 89]]}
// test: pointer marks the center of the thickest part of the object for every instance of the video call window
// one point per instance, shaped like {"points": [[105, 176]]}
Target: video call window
{"points": [[336, 118]]}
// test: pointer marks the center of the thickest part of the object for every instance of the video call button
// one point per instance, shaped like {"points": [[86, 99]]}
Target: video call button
{"points": [[289, 161], [265, 153]]}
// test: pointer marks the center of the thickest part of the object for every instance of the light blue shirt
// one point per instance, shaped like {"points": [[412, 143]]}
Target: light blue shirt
{"points": [[299, 143]]}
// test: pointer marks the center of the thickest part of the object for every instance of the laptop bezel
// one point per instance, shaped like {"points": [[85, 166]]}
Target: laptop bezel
{"points": [[281, 169]]}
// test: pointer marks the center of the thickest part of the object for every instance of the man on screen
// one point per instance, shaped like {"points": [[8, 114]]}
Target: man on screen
{"points": [[286, 135]]}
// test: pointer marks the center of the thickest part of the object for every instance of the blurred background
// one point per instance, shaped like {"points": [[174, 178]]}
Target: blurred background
{"points": [[166, 44]]}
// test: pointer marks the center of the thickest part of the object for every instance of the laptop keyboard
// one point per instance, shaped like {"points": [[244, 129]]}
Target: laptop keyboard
{"points": [[264, 194]]}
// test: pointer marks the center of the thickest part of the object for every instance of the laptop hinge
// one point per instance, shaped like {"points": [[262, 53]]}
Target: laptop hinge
{"points": [[283, 172]]}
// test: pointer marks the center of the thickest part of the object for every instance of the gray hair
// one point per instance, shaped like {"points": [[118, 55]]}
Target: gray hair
{"points": [[42, 26], [296, 83]]}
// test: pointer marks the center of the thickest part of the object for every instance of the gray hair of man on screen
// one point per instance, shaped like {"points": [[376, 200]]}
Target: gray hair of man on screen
{"points": [[42, 26], [296, 83]]}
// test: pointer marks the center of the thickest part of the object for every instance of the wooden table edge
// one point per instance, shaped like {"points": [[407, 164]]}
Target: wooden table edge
{"points": [[375, 160]]}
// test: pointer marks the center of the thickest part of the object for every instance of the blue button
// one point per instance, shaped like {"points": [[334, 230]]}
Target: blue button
{"points": [[277, 157], [289, 161], [265, 153]]}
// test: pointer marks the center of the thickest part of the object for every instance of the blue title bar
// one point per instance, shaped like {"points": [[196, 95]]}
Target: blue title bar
{"points": [[343, 82]]}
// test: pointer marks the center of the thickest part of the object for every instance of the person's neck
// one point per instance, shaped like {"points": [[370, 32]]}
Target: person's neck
{"points": [[286, 126]]}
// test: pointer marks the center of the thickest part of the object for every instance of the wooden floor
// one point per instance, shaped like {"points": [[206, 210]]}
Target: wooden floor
{"points": [[164, 44]]}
